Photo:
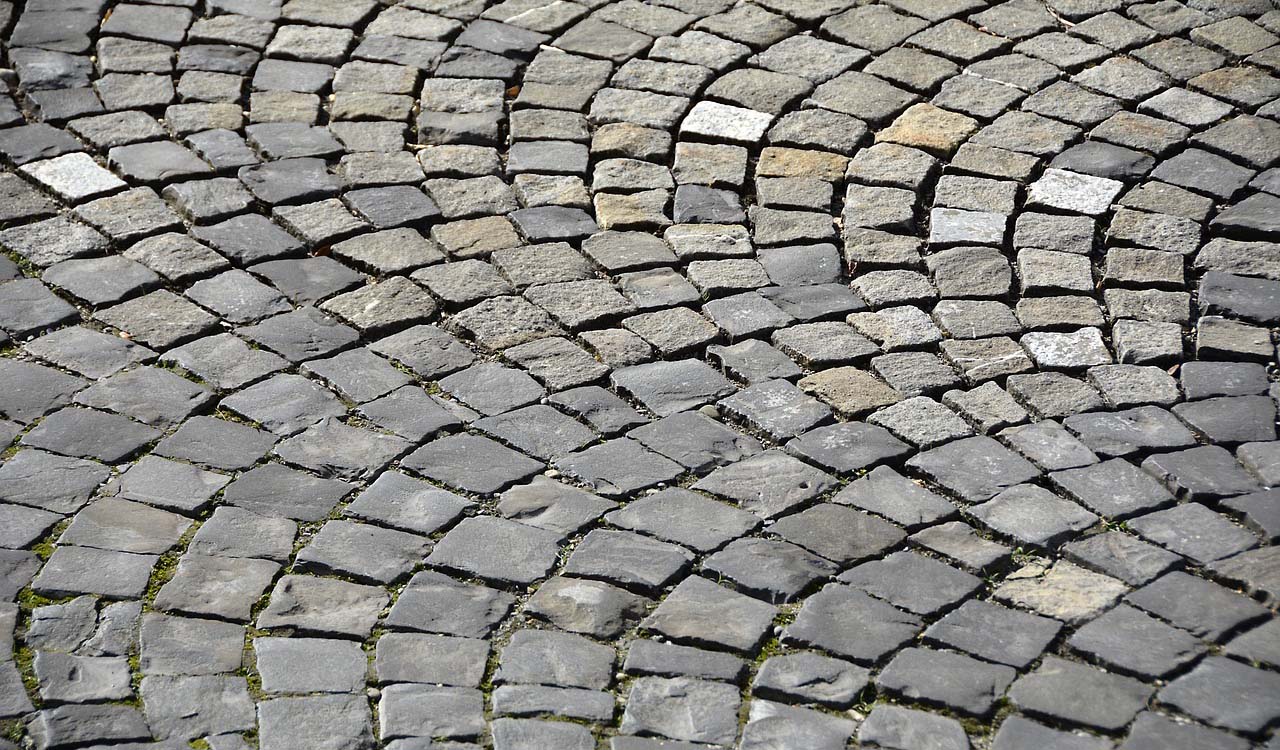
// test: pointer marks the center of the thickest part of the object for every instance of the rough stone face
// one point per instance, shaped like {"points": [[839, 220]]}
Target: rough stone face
{"points": [[974, 468], [682, 709], [902, 728], [767, 483], [321, 721], [583, 606], [1222, 692], [684, 517], [958, 682], [466, 548], [1079, 694], [1063, 591], [812, 677], [847, 622], [699, 611], [978, 628], [323, 605], [1113, 638]]}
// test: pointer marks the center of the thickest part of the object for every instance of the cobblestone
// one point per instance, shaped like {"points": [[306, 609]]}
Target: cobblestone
{"points": [[598, 367]]}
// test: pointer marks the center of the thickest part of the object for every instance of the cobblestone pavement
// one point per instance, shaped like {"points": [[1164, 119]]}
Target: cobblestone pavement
{"points": [[571, 374]]}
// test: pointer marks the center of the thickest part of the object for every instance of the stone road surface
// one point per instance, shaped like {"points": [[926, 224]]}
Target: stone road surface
{"points": [[572, 374]]}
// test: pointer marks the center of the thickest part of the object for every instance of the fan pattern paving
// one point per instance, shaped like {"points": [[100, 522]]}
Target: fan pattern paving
{"points": [[573, 374]]}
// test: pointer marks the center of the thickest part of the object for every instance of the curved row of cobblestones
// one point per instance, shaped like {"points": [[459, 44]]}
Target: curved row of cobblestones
{"points": [[681, 374]]}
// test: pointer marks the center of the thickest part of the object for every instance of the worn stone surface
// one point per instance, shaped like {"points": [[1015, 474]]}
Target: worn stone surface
{"points": [[597, 367]]}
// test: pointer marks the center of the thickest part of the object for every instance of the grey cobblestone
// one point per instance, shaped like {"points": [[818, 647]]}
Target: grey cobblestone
{"points": [[684, 374]]}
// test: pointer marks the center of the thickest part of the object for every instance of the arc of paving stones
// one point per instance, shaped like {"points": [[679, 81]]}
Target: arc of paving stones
{"points": [[781, 374]]}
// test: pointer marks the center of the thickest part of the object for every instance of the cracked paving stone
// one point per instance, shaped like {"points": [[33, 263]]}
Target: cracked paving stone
{"points": [[1062, 590]]}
